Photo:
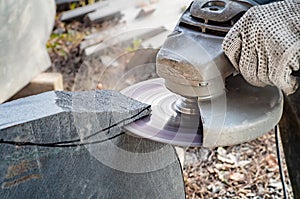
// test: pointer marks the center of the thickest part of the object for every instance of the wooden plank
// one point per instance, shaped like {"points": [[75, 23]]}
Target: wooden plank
{"points": [[42, 83], [82, 11]]}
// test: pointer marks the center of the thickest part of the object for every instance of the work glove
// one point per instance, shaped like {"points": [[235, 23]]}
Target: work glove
{"points": [[264, 45]]}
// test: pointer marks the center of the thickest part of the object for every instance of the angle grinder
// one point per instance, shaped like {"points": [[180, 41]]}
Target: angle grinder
{"points": [[198, 99]]}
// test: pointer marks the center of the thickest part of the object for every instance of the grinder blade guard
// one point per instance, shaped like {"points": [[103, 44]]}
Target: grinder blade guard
{"points": [[197, 101]]}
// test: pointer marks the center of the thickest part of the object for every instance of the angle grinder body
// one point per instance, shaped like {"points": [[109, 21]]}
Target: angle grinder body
{"points": [[199, 100]]}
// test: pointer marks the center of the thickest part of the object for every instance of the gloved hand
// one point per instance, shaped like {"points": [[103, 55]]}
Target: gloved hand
{"points": [[264, 45]]}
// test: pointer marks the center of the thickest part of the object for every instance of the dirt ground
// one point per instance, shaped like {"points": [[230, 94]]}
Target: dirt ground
{"points": [[248, 170]]}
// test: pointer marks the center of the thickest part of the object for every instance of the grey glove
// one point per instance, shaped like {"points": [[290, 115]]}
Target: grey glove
{"points": [[264, 45]]}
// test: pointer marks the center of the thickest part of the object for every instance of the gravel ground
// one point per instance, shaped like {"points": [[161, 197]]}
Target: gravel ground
{"points": [[248, 170]]}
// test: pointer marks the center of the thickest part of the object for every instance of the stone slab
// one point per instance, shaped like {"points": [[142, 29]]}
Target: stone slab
{"points": [[23, 38], [146, 11], [59, 2], [53, 115], [122, 167], [38, 172], [157, 41], [98, 37], [123, 39], [82, 11], [167, 14], [102, 15]]}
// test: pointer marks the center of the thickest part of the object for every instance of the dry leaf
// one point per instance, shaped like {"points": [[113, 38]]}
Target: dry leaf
{"points": [[238, 177], [221, 151], [271, 160], [225, 160]]}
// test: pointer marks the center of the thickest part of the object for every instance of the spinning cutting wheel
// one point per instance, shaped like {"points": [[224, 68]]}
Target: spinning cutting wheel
{"points": [[243, 113], [198, 102]]}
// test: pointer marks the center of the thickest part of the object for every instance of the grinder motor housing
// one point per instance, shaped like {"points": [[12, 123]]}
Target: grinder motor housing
{"points": [[197, 101], [191, 60]]}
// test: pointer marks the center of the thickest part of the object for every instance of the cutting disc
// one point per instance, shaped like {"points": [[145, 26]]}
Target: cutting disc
{"points": [[164, 124], [243, 113]]}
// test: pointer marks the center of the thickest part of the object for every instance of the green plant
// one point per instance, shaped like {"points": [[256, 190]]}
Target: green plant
{"points": [[62, 44], [136, 43], [72, 6]]}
